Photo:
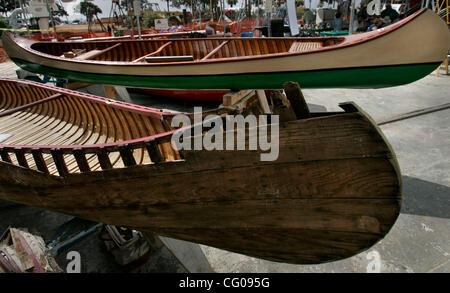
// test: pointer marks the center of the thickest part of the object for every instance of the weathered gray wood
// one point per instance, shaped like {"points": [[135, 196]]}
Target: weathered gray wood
{"points": [[325, 198], [39, 160], [263, 101], [295, 96], [282, 107], [231, 98], [123, 94]]}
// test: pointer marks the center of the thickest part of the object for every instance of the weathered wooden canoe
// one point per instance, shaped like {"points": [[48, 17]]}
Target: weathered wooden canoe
{"points": [[398, 54], [334, 190]]}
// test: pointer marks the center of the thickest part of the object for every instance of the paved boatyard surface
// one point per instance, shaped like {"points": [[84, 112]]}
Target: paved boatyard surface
{"points": [[419, 240]]}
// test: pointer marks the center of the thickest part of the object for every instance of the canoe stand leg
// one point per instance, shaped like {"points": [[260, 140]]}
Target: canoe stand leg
{"points": [[263, 101], [111, 91], [247, 101], [232, 98]]}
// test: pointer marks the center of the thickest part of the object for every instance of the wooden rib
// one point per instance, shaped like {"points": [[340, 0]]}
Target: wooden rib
{"points": [[171, 51], [39, 161], [80, 157], [62, 123], [20, 156], [21, 123], [154, 152], [5, 156], [215, 50], [103, 159], [34, 130], [153, 53], [58, 158], [96, 130], [126, 153], [140, 154]]}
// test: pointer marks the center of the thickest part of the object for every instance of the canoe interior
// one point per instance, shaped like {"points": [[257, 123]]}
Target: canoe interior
{"points": [[129, 51], [41, 116]]}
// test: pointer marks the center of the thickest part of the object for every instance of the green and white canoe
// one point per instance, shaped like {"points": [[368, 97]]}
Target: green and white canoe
{"points": [[397, 54]]}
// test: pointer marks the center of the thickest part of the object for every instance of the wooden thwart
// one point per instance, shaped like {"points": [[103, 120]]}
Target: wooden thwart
{"points": [[153, 53], [95, 53], [215, 50]]}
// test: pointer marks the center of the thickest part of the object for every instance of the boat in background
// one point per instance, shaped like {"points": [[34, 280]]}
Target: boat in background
{"points": [[333, 191], [397, 54]]}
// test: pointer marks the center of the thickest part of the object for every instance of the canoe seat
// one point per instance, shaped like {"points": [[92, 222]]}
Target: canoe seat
{"points": [[304, 46], [157, 59], [88, 55]]}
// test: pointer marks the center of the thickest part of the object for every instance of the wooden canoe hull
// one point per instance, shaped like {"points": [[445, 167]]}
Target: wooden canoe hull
{"points": [[334, 191], [398, 54]]}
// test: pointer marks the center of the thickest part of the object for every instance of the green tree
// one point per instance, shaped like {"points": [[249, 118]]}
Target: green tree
{"points": [[149, 16], [89, 10], [232, 2], [4, 23], [60, 11], [8, 5]]}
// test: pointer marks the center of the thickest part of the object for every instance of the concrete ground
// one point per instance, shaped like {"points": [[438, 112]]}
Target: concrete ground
{"points": [[418, 242]]}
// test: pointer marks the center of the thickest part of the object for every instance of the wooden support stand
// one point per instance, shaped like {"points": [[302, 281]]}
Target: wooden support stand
{"points": [[444, 64], [289, 106], [297, 100], [111, 91], [247, 101]]}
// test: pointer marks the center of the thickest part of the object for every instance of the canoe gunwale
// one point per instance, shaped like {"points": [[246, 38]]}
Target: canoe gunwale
{"points": [[148, 111], [348, 41]]}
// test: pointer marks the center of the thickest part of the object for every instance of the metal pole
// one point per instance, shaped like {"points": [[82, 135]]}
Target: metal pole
{"points": [[51, 19], [24, 11], [132, 20], [352, 16], [223, 16], [139, 26]]}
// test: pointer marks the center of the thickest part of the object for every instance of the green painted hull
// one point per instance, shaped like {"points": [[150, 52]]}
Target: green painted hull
{"points": [[368, 77]]}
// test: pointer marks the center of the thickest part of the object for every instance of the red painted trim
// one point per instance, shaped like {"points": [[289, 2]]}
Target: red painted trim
{"points": [[93, 148], [147, 111], [37, 267]]}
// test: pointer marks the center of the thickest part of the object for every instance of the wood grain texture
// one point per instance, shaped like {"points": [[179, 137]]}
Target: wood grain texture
{"points": [[333, 191]]}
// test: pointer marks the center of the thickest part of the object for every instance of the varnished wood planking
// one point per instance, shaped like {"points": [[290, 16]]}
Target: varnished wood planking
{"points": [[67, 122], [132, 50]]}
